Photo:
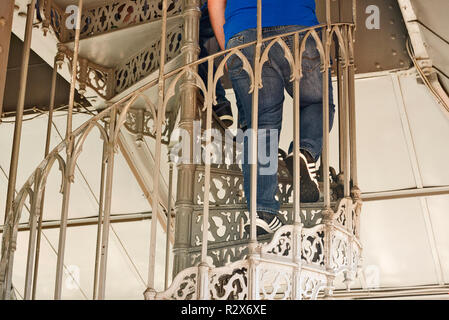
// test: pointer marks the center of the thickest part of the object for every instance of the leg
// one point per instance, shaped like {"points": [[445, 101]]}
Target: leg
{"points": [[271, 98], [311, 126], [311, 101], [223, 106]]}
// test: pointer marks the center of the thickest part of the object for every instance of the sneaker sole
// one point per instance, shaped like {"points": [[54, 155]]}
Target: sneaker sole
{"points": [[259, 230], [262, 227]]}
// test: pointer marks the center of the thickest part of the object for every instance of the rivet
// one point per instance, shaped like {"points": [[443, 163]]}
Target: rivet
{"points": [[394, 53], [401, 63], [2, 21], [391, 21], [393, 37], [377, 65]]}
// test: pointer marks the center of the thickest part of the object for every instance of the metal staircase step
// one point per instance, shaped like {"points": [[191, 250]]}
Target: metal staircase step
{"points": [[283, 268]]}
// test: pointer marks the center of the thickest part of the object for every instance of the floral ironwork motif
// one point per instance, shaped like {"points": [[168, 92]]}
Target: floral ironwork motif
{"points": [[313, 245], [281, 244], [184, 287], [229, 284]]}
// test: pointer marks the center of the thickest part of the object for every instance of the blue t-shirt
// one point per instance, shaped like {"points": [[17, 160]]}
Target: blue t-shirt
{"points": [[242, 14]]}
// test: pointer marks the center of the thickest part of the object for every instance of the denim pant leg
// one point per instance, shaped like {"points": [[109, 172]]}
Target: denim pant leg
{"points": [[311, 101], [206, 32], [271, 99], [241, 116]]}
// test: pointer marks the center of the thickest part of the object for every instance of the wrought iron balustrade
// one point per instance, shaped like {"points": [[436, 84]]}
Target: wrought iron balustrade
{"points": [[300, 260], [109, 81], [110, 16]]}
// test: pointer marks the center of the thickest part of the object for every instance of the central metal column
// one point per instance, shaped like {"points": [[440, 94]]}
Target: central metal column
{"points": [[186, 172]]}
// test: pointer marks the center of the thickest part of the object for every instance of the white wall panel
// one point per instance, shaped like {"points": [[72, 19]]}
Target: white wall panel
{"points": [[394, 238], [439, 214], [383, 161], [430, 131]]}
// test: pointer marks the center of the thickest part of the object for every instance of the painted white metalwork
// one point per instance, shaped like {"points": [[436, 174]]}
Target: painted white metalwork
{"points": [[421, 57], [107, 17], [297, 262], [276, 267]]}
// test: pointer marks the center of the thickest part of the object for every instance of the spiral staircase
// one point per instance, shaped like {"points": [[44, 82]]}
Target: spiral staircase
{"points": [[130, 98]]}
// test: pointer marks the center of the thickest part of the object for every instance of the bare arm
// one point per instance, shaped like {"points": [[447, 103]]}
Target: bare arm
{"points": [[217, 19]]}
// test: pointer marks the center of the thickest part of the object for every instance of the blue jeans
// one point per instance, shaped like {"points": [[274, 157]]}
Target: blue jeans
{"points": [[275, 78], [206, 33]]}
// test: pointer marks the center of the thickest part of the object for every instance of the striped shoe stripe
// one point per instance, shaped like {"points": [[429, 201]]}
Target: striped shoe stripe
{"points": [[275, 224], [311, 168]]}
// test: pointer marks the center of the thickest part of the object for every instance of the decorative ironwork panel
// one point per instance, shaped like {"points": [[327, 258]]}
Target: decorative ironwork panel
{"points": [[90, 74], [109, 17], [141, 123], [226, 187], [183, 287], [147, 61], [275, 282], [340, 251], [281, 244], [310, 284], [312, 241], [229, 283]]}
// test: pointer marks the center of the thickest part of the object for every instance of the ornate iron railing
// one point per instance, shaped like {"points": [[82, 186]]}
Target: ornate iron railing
{"points": [[300, 260], [110, 16], [110, 81]]}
